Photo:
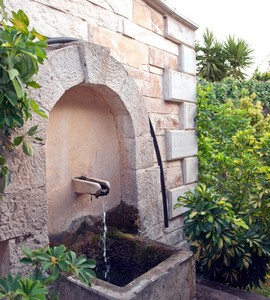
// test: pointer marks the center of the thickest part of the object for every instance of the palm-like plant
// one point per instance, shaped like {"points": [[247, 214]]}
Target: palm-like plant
{"points": [[210, 58], [238, 57], [216, 60]]}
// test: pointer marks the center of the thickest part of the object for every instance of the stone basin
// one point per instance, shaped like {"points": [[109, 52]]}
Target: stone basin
{"points": [[172, 279]]}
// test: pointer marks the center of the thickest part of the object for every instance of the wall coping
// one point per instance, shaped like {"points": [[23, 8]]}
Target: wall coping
{"points": [[166, 10]]}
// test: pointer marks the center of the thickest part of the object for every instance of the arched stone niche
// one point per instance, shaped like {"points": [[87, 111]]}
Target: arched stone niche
{"points": [[98, 126]]}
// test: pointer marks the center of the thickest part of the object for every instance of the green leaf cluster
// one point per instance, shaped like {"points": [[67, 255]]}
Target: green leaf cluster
{"points": [[22, 50], [228, 218], [49, 265]]}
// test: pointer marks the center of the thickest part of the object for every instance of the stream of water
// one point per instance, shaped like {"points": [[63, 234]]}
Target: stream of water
{"points": [[104, 237]]}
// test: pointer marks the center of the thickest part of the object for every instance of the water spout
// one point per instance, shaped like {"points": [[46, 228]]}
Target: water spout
{"points": [[92, 186]]}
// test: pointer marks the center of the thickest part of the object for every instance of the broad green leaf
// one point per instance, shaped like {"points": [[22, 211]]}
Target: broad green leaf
{"points": [[12, 97], [13, 73], [27, 148], [33, 84], [18, 140], [32, 130], [18, 88]]}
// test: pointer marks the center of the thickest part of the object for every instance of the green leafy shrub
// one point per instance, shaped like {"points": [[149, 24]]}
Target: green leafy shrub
{"points": [[21, 51], [49, 265], [228, 221], [235, 89]]}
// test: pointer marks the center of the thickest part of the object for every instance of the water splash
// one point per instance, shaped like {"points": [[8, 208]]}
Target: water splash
{"points": [[104, 237]]}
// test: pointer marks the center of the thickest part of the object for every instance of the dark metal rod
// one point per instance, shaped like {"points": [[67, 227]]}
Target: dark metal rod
{"points": [[162, 178]]}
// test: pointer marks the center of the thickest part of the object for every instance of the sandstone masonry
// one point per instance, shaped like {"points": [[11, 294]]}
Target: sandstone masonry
{"points": [[139, 57]]}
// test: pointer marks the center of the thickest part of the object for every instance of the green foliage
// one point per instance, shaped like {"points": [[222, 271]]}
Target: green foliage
{"points": [[218, 60], [228, 221], [49, 265], [21, 52], [235, 89], [265, 76]]}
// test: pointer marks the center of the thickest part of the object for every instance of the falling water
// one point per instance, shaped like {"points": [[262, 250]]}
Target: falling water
{"points": [[104, 237]]}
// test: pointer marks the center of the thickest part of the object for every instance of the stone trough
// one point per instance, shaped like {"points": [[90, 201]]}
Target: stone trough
{"points": [[170, 280]]}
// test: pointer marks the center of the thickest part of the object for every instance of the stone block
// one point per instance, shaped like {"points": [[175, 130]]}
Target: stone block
{"points": [[134, 103], [190, 170], [156, 57], [51, 87], [132, 156], [156, 105], [95, 60], [157, 22], [171, 61], [128, 51], [142, 14], [179, 33], [188, 115], [116, 75], [181, 143], [22, 213], [173, 177], [173, 195], [66, 64], [179, 87], [148, 37], [59, 23], [187, 60]]}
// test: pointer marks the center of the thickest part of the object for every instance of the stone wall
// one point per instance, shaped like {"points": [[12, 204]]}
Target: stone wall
{"points": [[155, 46]]}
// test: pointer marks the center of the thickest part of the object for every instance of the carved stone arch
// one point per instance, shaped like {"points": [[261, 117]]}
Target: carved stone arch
{"points": [[90, 68]]}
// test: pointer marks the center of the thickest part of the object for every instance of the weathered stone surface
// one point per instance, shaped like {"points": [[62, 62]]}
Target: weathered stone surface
{"points": [[134, 103], [142, 14], [187, 59], [173, 237], [173, 176], [148, 37], [127, 51], [179, 86], [33, 240], [121, 7], [181, 143], [57, 23], [51, 87], [92, 13], [5, 258], [179, 33], [23, 213], [116, 75], [66, 64], [188, 115], [156, 105], [131, 155], [95, 58], [173, 195], [157, 22], [190, 169]]}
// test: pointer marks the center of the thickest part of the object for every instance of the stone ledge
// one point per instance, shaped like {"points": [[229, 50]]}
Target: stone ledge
{"points": [[179, 87], [181, 144], [179, 33], [173, 195], [190, 169]]}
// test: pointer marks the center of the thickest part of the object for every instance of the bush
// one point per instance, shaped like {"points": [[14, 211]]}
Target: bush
{"points": [[228, 221], [49, 265]]}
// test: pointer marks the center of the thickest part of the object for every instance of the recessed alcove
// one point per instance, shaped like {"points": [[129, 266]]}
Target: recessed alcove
{"points": [[82, 140]]}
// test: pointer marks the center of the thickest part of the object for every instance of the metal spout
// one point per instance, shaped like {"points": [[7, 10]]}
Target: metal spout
{"points": [[92, 186]]}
